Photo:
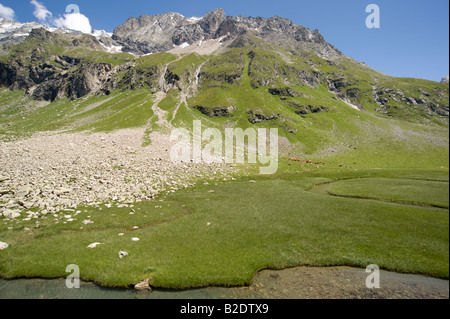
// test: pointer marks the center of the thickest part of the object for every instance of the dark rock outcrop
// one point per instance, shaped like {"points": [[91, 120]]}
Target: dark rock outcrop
{"points": [[286, 91], [220, 111], [256, 116], [307, 109]]}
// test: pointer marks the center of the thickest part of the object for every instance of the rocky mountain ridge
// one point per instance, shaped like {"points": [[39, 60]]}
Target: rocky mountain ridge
{"points": [[159, 33]]}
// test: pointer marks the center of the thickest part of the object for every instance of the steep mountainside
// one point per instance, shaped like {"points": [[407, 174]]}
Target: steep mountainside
{"points": [[226, 71]]}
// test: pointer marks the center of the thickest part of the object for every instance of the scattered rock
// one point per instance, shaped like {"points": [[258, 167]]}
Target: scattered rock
{"points": [[135, 239], [3, 245], [6, 191], [122, 254], [62, 191], [94, 245], [144, 285], [51, 177], [13, 214], [23, 191]]}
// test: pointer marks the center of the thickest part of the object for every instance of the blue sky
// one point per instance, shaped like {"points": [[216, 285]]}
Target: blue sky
{"points": [[413, 40]]}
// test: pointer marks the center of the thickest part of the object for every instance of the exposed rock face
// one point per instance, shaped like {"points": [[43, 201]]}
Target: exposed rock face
{"points": [[151, 34], [256, 116], [220, 111], [284, 92], [48, 82], [56, 77], [307, 109], [386, 96], [445, 79]]}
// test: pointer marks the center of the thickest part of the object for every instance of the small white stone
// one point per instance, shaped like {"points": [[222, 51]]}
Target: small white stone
{"points": [[122, 254], [94, 245]]}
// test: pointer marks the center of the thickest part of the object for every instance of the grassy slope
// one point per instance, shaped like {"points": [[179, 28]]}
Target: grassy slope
{"points": [[96, 113], [397, 190]]}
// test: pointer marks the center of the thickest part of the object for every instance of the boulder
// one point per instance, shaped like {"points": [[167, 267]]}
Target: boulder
{"points": [[144, 285], [122, 254], [94, 245], [62, 191], [11, 213], [23, 191], [5, 191]]}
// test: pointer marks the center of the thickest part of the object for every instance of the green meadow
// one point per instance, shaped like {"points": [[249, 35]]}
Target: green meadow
{"points": [[196, 237]]}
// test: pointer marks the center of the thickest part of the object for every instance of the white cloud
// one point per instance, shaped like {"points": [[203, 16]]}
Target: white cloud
{"points": [[74, 21], [6, 13], [40, 11]]}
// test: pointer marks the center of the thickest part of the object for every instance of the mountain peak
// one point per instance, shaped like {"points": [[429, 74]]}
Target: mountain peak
{"points": [[212, 20], [217, 12], [151, 34]]}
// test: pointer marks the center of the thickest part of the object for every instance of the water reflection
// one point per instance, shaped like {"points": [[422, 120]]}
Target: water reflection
{"points": [[56, 289]]}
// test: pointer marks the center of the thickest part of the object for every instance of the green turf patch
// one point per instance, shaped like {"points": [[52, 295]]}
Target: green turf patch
{"points": [[411, 191]]}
